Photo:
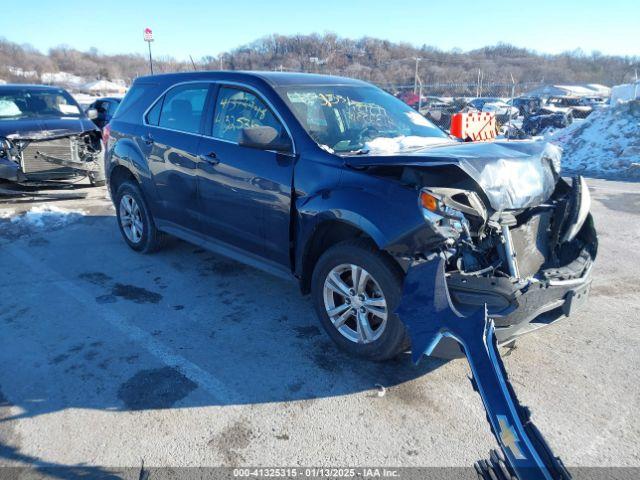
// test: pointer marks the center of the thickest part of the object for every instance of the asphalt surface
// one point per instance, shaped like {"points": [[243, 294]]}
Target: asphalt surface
{"points": [[183, 358]]}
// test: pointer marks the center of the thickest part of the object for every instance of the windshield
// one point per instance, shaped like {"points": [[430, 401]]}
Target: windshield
{"points": [[346, 119], [24, 102]]}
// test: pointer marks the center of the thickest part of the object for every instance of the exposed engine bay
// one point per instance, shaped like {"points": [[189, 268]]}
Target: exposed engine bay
{"points": [[513, 243], [45, 156]]}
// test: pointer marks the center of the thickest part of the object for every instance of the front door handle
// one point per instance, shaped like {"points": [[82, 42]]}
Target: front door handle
{"points": [[211, 158]]}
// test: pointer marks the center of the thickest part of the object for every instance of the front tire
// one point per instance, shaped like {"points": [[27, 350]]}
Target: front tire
{"points": [[356, 290], [135, 220]]}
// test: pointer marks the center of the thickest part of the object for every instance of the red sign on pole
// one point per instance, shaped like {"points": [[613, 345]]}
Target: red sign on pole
{"points": [[148, 35]]}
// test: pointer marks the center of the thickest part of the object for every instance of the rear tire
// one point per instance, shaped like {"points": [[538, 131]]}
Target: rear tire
{"points": [[131, 208], [385, 281]]}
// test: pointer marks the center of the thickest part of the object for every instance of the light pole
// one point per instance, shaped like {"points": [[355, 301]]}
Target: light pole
{"points": [[415, 78], [148, 37]]}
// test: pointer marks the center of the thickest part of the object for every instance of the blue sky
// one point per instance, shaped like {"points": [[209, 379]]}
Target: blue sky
{"points": [[209, 27]]}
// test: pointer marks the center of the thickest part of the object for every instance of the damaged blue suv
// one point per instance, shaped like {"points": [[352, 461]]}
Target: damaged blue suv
{"points": [[335, 183]]}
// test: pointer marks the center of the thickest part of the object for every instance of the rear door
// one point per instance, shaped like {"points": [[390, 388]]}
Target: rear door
{"points": [[173, 131], [245, 193]]}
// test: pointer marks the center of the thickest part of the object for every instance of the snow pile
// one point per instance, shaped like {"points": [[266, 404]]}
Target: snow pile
{"points": [[47, 216], [387, 145], [607, 143]]}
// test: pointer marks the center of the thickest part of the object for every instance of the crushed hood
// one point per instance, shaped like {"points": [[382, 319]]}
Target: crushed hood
{"points": [[42, 128], [512, 174]]}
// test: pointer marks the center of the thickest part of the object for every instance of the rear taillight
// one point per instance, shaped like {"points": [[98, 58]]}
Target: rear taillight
{"points": [[106, 133]]}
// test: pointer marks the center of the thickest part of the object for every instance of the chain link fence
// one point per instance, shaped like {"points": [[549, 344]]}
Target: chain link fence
{"points": [[440, 101]]}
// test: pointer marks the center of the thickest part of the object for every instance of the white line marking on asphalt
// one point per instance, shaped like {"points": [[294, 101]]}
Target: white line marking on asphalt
{"points": [[221, 392]]}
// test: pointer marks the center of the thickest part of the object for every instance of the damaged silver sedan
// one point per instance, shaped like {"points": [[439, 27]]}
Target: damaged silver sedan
{"points": [[45, 137]]}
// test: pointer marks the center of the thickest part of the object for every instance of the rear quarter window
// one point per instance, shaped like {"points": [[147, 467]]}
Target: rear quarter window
{"points": [[136, 101]]}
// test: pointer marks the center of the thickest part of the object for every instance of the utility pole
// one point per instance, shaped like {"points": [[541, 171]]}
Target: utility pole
{"points": [[513, 86], [148, 37], [415, 78]]}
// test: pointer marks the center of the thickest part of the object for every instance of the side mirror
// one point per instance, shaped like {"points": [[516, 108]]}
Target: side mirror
{"points": [[92, 113], [264, 138]]}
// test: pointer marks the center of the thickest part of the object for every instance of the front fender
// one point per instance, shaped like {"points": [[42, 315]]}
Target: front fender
{"points": [[389, 214]]}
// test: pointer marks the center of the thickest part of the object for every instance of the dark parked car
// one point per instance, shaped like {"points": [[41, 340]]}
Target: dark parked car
{"points": [[337, 184], [578, 107], [527, 105], [104, 109], [45, 136], [538, 123]]}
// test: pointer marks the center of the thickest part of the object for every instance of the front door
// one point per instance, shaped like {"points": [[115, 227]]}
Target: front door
{"points": [[245, 193]]}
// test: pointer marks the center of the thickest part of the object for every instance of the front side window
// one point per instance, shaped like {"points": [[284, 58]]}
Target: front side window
{"points": [[23, 102], [183, 108], [346, 118], [237, 109]]}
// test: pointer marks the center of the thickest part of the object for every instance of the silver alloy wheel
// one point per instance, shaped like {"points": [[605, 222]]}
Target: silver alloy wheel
{"points": [[355, 303], [131, 218]]}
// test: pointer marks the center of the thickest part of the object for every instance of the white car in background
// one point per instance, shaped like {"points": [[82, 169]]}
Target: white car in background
{"points": [[500, 108]]}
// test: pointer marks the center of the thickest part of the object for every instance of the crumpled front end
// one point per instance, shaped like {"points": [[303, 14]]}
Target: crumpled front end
{"points": [[524, 176], [515, 235], [530, 266], [25, 159]]}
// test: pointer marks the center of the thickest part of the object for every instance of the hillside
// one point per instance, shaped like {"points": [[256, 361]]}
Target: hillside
{"points": [[370, 59]]}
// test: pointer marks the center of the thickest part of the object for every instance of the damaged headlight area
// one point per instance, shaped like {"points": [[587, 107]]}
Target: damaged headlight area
{"points": [[445, 209], [514, 243]]}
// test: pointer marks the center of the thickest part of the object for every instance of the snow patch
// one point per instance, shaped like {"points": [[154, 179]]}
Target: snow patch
{"points": [[387, 145], [46, 216], [607, 143]]}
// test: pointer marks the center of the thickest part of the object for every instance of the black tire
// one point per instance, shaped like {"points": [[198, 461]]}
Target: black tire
{"points": [[389, 276], [152, 239]]}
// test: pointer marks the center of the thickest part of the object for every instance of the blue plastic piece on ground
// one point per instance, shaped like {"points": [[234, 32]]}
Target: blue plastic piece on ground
{"points": [[429, 315]]}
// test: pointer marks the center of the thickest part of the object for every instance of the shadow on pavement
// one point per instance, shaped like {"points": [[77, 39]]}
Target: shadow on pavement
{"points": [[137, 328]]}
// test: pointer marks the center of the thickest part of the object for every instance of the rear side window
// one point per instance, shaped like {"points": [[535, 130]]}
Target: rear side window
{"points": [[183, 108], [237, 109], [135, 93]]}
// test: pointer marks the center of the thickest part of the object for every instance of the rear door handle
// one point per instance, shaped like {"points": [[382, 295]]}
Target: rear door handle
{"points": [[211, 158], [148, 139]]}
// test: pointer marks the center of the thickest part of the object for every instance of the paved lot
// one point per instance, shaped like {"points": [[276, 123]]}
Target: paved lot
{"points": [[185, 359]]}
